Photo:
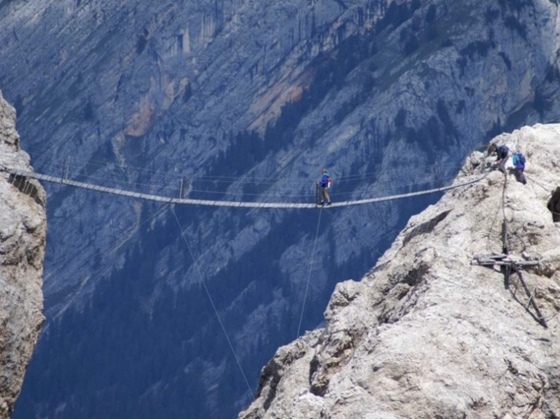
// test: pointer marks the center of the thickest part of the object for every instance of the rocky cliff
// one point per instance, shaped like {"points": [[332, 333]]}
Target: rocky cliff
{"points": [[429, 333], [22, 248]]}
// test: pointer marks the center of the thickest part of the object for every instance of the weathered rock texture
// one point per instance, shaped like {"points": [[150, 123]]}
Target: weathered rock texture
{"points": [[22, 246], [427, 334]]}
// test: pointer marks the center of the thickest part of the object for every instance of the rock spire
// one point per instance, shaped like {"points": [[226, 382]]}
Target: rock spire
{"points": [[22, 248], [428, 333]]}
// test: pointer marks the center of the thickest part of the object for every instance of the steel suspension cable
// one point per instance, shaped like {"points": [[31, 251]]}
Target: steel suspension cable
{"points": [[310, 270], [197, 268], [222, 203]]}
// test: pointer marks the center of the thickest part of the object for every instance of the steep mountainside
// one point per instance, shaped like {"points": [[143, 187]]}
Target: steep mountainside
{"points": [[428, 333], [241, 99], [22, 249]]}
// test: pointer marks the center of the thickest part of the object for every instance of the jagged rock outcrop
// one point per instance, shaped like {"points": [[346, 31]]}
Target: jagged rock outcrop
{"points": [[22, 248], [429, 334]]}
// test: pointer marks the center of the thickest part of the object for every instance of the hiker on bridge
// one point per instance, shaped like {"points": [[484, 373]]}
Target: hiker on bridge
{"points": [[325, 184], [502, 153], [519, 163]]}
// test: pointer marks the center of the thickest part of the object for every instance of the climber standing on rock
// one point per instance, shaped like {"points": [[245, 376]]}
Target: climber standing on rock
{"points": [[502, 153], [519, 163]]}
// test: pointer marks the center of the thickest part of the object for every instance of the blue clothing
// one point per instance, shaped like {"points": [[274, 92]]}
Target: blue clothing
{"points": [[519, 161], [325, 180]]}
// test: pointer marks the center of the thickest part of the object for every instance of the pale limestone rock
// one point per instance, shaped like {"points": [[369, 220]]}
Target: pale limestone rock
{"points": [[22, 248], [426, 334]]}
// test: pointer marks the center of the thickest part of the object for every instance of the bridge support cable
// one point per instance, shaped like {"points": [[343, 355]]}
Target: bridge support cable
{"points": [[224, 203], [310, 270], [199, 271], [510, 265]]}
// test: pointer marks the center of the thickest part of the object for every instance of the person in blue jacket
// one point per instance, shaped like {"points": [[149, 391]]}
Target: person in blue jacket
{"points": [[325, 185], [519, 163]]}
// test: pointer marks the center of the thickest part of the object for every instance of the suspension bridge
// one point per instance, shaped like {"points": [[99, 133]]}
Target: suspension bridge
{"points": [[20, 177], [21, 174]]}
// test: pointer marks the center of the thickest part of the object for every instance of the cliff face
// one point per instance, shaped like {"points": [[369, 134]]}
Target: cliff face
{"points": [[429, 334], [22, 248], [242, 99]]}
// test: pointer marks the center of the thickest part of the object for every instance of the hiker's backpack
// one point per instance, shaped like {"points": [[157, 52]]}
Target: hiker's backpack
{"points": [[502, 152], [519, 160]]}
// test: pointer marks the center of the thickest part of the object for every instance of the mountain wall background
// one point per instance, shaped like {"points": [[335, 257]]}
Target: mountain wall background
{"points": [[250, 100]]}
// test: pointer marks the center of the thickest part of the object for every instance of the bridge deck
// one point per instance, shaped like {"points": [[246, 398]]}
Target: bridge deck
{"points": [[219, 203]]}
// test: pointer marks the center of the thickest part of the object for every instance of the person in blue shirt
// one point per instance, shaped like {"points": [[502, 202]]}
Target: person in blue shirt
{"points": [[519, 163], [325, 184]]}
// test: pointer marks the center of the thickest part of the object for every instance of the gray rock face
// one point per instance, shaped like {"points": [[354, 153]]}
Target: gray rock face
{"points": [[429, 334], [22, 248], [242, 99]]}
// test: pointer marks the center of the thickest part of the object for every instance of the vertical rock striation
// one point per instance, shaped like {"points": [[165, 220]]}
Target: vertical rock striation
{"points": [[22, 247], [430, 334]]}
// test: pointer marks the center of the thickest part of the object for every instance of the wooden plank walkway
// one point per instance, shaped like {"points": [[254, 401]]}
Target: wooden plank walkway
{"points": [[219, 203]]}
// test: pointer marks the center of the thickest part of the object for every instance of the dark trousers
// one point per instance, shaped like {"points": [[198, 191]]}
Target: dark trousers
{"points": [[502, 164], [520, 176]]}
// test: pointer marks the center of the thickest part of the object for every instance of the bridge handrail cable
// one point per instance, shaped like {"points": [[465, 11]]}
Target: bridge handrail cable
{"points": [[224, 203]]}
